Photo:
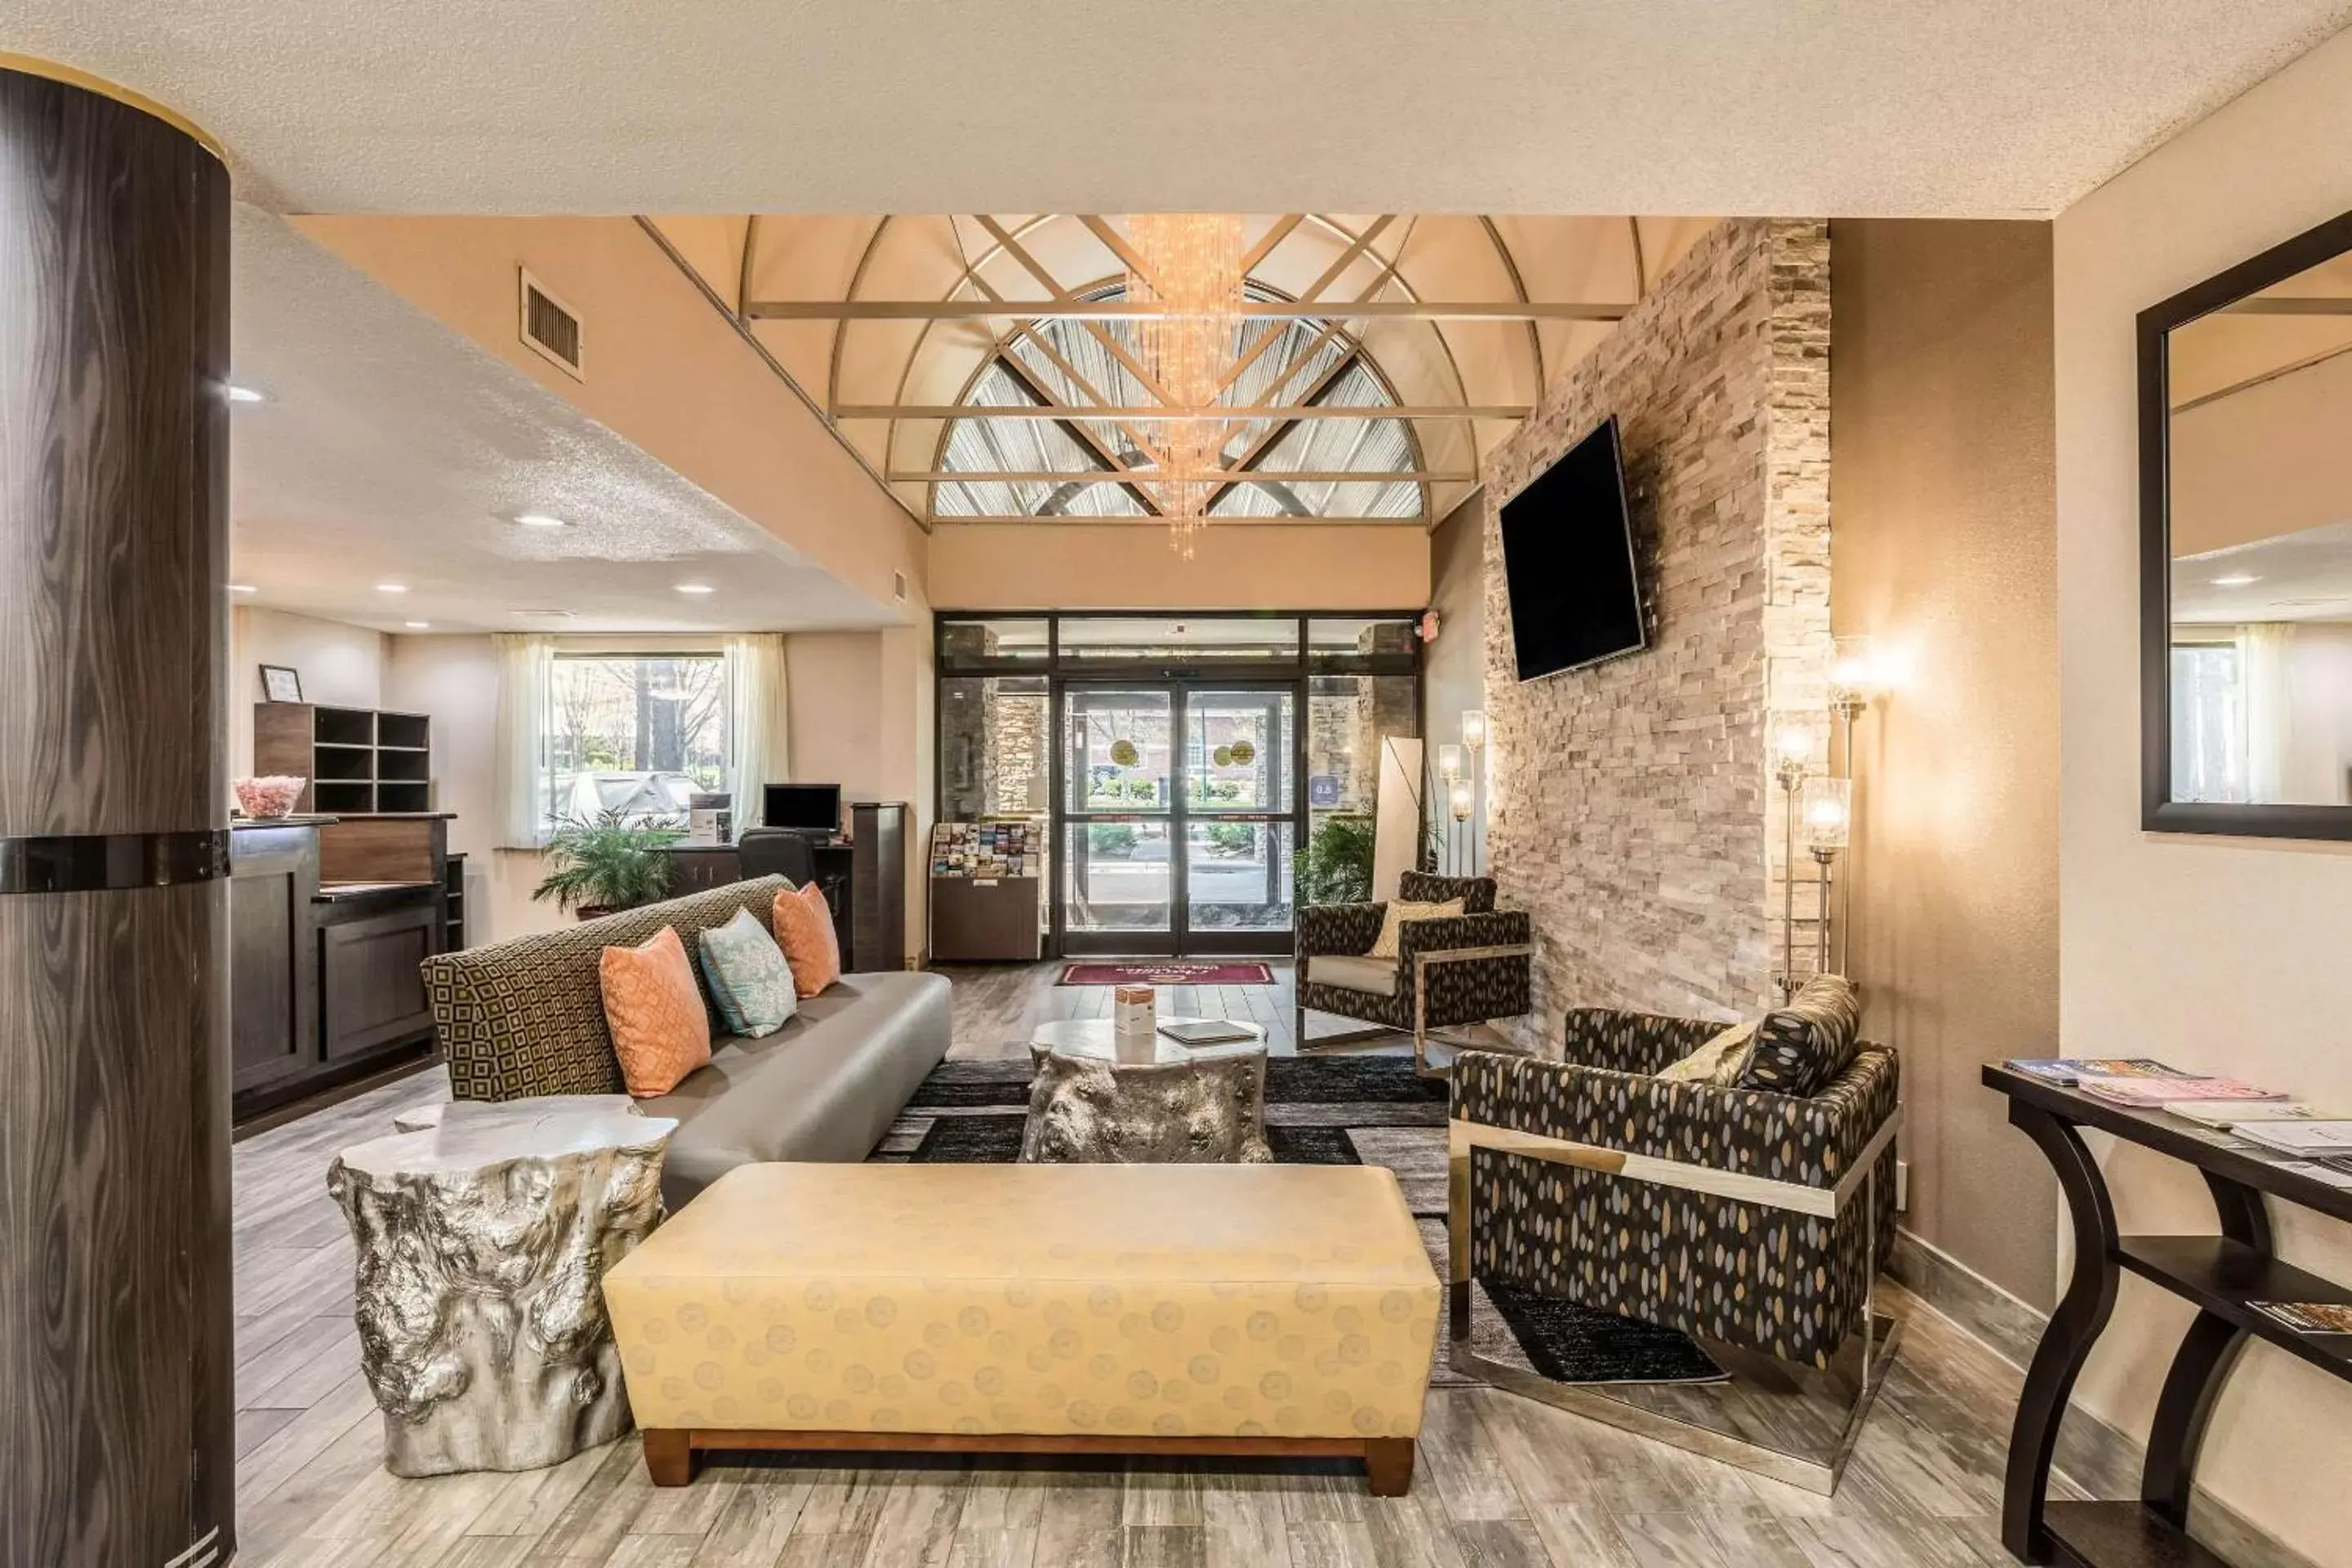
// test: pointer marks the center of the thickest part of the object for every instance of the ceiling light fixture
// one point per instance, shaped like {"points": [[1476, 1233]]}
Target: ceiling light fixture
{"points": [[392, 587], [541, 519], [695, 588], [1190, 263], [242, 588], [418, 626], [2235, 580], [236, 394]]}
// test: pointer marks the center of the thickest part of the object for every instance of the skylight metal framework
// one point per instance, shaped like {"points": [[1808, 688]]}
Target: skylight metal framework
{"points": [[1057, 419]]}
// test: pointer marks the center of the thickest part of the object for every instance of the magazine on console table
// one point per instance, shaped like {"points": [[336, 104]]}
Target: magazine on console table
{"points": [[2145, 1093]]}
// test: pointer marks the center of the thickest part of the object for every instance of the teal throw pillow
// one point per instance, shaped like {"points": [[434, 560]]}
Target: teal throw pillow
{"points": [[748, 977]]}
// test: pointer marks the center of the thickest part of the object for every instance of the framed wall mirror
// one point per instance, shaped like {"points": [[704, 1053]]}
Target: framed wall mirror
{"points": [[2245, 440]]}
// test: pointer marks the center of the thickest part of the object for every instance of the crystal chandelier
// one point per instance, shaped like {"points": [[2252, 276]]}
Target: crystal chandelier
{"points": [[1190, 263]]}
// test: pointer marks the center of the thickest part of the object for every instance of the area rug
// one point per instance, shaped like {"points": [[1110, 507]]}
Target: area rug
{"points": [[1339, 1111], [1166, 972]]}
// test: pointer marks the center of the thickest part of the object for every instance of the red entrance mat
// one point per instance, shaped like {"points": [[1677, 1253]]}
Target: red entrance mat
{"points": [[1168, 972]]}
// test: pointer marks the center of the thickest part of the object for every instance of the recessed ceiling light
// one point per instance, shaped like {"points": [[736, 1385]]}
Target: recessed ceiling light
{"points": [[2235, 580], [541, 519], [695, 588], [244, 394], [392, 587], [418, 626], [242, 588]]}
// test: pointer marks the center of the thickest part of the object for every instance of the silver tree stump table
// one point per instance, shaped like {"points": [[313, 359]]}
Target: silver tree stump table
{"points": [[1098, 1099], [480, 1305]]}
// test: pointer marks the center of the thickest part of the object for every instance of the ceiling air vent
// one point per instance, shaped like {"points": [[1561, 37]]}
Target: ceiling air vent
{"points": [[898, 586], [550, 327]]}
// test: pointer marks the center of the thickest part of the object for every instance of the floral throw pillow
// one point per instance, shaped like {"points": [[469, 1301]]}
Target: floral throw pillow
{"points": [[748, 977]]}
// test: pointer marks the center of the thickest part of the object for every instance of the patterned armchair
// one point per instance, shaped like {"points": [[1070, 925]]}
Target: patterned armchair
{"points": [[1463, 970], [1755, 1219]]}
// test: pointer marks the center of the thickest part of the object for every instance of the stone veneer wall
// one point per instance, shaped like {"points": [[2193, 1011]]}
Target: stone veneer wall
{"points": [[1631, 811]]}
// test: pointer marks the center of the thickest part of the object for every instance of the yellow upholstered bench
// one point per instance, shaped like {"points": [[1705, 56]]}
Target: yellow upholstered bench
{"points": [[1286, 1310]]}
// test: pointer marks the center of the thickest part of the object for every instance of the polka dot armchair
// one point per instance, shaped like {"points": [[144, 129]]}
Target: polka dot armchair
{"points": [[1749, 1217], [1463, 969]]}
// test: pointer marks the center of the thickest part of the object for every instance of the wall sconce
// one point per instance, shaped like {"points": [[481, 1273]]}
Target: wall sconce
{"points": [[1458, 798], [1474, 729], [1449, 762]]}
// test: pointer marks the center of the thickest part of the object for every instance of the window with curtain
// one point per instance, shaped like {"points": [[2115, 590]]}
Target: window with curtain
{"points": [[639, 735], [2210, 750]]}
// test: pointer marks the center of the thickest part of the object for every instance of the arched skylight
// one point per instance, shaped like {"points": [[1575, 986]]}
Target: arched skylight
{"points": [[1279, 361]]}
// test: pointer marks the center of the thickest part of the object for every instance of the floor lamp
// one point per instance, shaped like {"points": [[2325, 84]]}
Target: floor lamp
{"points": [[1857, 674], [1457, 796], [1474, 741], [1796, 740]]}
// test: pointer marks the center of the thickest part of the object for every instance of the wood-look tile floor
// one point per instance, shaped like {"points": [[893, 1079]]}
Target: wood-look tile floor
{"points": [[1502, 1483]]}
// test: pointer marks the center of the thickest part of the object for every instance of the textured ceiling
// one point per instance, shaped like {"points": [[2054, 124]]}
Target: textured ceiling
{"points": [[391, 449], [1836, 107]]}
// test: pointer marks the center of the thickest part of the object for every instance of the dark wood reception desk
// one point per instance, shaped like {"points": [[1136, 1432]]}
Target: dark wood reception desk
{"points": [[329, 918]]}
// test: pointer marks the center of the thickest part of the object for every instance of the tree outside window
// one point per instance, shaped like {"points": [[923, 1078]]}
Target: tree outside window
{"points": [[639, 735]]}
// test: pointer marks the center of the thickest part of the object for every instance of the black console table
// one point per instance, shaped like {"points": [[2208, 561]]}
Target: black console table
{"points": [[2220, 1274]]}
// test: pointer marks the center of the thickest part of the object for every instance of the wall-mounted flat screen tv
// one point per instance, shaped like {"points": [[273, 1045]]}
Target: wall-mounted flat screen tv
{"points": [[1568, 562]]}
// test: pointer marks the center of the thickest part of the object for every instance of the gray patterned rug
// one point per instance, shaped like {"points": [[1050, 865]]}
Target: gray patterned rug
{"points": [[1339, 1111]]}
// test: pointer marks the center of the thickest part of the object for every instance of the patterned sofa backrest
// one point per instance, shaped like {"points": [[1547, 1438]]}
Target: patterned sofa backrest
{"points": [[527, 1017]]}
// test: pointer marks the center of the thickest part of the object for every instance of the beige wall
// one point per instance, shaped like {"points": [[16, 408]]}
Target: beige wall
{"points": [[1026, 566], [454, 680], [861, 717], [339, 664], [1942, 445], [836, 710], [664, 370], [2220, 953], [1454, 668], [2269, 459]]}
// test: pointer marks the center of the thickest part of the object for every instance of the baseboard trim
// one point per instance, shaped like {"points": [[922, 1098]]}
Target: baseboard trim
{"points": [[2098, 1458]]}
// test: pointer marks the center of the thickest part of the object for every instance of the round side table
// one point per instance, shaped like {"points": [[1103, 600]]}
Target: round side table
{"points": [[480, 1306], [1101, 1099]]}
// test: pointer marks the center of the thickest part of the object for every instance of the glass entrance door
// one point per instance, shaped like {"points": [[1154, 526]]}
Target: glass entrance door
{"points": [[1179, 809], [1118, 887], [1239, 812]]}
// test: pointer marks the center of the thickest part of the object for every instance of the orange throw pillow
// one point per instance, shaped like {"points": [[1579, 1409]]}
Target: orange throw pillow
{"points": [[660, 1031], [804, 924]]}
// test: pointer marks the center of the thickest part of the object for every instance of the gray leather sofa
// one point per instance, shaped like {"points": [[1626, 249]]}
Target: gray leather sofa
{"points": [[527, 1017]]}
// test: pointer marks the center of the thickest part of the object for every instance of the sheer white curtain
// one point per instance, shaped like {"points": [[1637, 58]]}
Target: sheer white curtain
{"points": [[757, 726], [2270, 727], [519, 757]]}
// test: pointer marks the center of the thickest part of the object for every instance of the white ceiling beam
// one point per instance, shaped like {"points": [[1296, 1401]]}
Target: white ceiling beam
{"points": [[1219, 412], [1283, 520], [1127, 311], [1116, 476]]}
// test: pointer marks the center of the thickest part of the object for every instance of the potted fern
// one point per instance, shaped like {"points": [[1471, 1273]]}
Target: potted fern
{"points": [[606, 863]]}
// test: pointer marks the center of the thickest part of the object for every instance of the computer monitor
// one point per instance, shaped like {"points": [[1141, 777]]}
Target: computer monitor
{"points": [[803, 807]]}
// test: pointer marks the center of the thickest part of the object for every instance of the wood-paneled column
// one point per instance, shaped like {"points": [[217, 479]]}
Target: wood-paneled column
{"points": [[116, 1404]]}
